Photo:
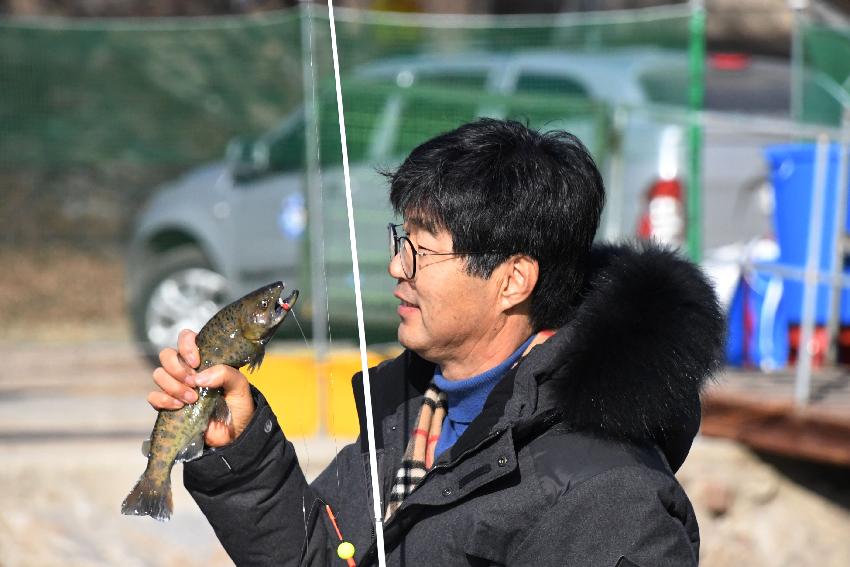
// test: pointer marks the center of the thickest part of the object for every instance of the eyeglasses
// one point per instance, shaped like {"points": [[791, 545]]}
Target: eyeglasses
{"points": [[402, 244]]}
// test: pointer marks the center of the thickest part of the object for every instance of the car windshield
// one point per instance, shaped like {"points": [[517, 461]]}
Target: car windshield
{"points": [[734, 84], [762, 87]]}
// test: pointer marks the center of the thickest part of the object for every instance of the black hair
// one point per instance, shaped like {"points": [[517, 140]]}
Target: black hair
{"points": [[500, 187]]}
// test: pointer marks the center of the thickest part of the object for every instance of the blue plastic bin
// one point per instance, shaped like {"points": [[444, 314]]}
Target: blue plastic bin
{"points": [[792, 173], [758, 324]]}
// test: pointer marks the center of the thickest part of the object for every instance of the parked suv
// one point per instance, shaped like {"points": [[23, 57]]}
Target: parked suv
{"points": [[232, 225]]}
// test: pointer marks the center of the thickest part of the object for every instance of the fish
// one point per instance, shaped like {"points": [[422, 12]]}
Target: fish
{"points": [[237, 336]]}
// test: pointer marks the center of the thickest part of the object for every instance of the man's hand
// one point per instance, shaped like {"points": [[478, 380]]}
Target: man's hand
{"points": [[177, 379]]}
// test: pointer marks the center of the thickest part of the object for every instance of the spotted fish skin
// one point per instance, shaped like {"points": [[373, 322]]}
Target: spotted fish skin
{"points": [[237, 335]]}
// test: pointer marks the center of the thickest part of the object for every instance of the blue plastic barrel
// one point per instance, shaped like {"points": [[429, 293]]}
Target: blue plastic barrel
{"points": [[757, 325], [792, 169]]}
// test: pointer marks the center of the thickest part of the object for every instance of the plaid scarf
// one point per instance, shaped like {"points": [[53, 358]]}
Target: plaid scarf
{"points": [[419, 455]]}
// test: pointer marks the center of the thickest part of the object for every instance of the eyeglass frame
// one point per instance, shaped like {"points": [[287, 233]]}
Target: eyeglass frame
{"points": [[395, 248]]}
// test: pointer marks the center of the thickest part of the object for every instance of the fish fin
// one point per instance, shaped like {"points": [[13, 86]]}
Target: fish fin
{"points": [[255, 360], [149, 498], [146, 448], [220, 411], [193, 449]]}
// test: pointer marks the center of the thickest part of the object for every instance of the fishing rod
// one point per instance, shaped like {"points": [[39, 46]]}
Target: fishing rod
{"points": [[358, 299]]}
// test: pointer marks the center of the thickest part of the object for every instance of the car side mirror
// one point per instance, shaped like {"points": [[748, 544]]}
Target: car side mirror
{"points": [[247, 159]]}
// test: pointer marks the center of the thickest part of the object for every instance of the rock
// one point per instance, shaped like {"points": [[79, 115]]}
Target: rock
{"points": [[717, 497]]}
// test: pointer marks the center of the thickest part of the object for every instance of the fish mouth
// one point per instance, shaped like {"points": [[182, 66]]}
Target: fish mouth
{"points": [[282, 306], [285, 304], [277, 312]]}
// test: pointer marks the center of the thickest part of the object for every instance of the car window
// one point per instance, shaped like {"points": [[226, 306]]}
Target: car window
{"points": [[362, 109], [426, 113], [364, 105], [454, 78], [542, 83], [761, 87], [286, 150], [665, 85], [584, 118]]}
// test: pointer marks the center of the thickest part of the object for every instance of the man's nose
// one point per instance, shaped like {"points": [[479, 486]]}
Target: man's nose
{"points": [[395, 269]]}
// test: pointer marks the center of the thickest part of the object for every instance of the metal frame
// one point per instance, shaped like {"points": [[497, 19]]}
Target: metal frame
{"points": [[811, 275]]}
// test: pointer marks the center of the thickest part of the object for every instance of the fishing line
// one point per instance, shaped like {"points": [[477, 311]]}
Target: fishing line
{"points": [[319, 198], [315, 199], [315, 123], [297, 322], [312, 175], [304, 439], [358, 299]]}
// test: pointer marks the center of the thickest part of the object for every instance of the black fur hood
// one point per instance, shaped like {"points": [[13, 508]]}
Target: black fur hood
{"points": [[645, 336]]}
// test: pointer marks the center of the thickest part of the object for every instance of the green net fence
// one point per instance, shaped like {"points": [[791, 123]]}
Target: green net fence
{"points": [[213, 144], [115, 108], [824, 77]]}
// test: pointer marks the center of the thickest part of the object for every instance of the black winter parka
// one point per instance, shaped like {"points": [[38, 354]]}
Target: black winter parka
{"points": [[571, 461]]}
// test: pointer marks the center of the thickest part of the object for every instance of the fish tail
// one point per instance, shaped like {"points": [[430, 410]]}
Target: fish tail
{"points": [[149, 497]]}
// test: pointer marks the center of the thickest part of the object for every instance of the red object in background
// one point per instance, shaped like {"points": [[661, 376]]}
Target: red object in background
{"points": [[663, 218], [729, 61], [749, 324], [819, 343]]}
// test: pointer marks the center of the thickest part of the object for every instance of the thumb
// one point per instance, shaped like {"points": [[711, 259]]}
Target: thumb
{"points": [[237, 395], [225, 377]]}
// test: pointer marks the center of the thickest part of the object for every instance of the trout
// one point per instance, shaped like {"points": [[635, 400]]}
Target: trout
{"points": [[237, 335]]}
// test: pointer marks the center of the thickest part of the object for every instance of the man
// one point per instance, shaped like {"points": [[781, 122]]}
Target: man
{"points": [[546, 395]]}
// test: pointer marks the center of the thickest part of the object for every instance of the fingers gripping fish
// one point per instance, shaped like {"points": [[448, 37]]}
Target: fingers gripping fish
{"points": [[237, 335]]}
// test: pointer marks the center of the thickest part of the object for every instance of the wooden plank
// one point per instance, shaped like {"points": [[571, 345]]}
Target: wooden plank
{"points": [[759, 411]]}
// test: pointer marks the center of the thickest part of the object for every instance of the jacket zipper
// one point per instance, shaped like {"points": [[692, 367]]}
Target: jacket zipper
{"points": [[372, 548], [447, 464]]}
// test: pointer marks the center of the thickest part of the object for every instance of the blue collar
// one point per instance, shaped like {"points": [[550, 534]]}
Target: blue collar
{"points": [[465, 398]]}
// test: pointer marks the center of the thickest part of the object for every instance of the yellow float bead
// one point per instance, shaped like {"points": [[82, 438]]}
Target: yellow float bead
{"points": [[345, 550]]}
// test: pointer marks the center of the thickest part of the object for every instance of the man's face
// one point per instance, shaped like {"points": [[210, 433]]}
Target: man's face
{"points": [[444, 312]]}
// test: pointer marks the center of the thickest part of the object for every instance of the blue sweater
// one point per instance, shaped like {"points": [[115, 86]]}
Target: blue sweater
{"points": [[465, 398]]}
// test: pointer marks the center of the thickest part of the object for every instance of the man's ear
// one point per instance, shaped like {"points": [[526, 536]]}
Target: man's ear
{"points": [[520, 278]]}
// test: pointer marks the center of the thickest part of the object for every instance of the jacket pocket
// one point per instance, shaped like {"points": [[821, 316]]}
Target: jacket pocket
{"points": [[625, 562]]}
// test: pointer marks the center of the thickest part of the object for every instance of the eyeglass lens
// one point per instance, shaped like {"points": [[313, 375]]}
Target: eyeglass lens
{"points": [[392, 241], [408, 257], [405, 247]]}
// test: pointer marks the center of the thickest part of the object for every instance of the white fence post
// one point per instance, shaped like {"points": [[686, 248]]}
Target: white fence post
{"points": [[839, 239], [810, 281]]}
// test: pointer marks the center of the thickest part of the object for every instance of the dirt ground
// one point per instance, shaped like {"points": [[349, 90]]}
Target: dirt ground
{"points": [[761, 510], [72, 418], [61, 504], [60, 293]]}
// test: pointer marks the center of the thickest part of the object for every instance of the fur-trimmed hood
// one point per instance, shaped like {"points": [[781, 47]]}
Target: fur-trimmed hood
{"points": [[645, 336]]}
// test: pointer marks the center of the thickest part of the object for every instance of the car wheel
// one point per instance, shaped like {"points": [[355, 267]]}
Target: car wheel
{"points": [[179, 290]]}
